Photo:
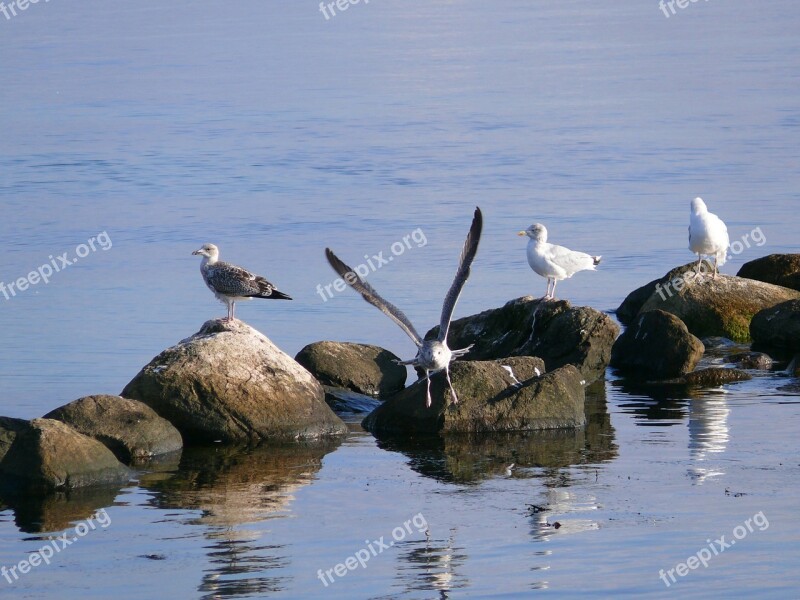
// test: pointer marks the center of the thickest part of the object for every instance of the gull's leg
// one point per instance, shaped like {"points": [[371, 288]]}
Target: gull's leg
{"points": [[699, 261], [553, 296], [450, 383], [715, 267], [428, 389]]}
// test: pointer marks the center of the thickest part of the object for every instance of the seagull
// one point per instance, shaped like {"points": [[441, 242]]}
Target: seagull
{"points": [[707, 235], [432, 355], [231, 283], [554, 262]]}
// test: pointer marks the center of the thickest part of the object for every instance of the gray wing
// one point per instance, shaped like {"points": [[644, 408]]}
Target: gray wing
{"points": [[464, 265], [231, 280], [371, 296]]}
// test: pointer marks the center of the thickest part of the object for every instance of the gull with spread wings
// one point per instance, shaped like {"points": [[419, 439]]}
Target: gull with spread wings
{"points": [[432, 355]]}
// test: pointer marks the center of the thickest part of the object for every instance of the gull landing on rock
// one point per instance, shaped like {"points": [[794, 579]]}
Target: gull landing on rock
{"points": [[230, 283], [432, 355]]}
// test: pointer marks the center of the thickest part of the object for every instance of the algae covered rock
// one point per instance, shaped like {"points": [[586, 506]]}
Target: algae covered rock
{"points": [[129, 428], [657, 345], [362, 368], [501, 395], [44, 455], [553, 330]]}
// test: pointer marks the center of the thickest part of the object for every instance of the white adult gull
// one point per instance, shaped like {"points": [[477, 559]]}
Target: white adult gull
{"points": [[230, 283], [554, 262], [432, 355], [707, 235]]}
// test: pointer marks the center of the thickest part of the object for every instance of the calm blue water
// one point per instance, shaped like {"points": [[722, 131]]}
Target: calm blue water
{"points": [[273, 132]]}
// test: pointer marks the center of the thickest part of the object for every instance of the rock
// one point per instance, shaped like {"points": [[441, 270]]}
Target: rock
{"points": [[714, 377], [228, 382], [778, 269], [751, 360], [794, 366], [778, 326], [634, 301], [129, 428], [46, 455], [368, 370], [718, 307], [657, 345], [491, 398], [344, 401], [560, 334]]}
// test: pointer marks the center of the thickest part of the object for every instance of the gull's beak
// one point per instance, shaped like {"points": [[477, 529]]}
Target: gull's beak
{"points": [[521, 233], [195, 252]]}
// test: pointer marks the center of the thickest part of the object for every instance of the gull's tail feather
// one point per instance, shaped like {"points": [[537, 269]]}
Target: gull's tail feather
{"points": [[596, 260]]}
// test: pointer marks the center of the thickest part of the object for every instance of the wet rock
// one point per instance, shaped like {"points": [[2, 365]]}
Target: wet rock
{"points": [[555, 331], [129, 428], [633, 303], [501, 395], [714, 377], [657, 345], [228, 382], [344, 401], [778, 269], [720, 307], [778, 326], [45, 455], [751, 360], [365, 369]]}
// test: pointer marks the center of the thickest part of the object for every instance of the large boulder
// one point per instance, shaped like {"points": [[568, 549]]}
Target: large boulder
{"points": [[778, 326], [717, 307], [368, 370], [657, 345], [46, 455], [778, 269], [501, 395], [129, 428], [553, 330], [229, 383]]}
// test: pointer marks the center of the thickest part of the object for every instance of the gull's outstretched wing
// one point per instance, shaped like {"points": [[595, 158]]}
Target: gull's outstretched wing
{"points": [[370, 295], [464, 264]]}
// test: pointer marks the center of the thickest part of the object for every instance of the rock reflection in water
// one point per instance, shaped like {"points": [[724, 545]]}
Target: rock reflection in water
{"points": [[470, 458], [231, 488]]}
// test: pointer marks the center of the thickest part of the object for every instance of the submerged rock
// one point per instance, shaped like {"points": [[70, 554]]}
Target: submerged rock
{"points": [[554, 330], [129, 428], [657, 345], [502, 395], [368, 370], [45, 455], [344, 401], [778, 269], [717, 307], [751, 360], [778, 326], [715, 377], [229, 382]]}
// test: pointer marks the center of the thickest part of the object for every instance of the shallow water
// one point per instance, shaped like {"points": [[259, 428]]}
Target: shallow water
{"points": [[272, 132]]}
